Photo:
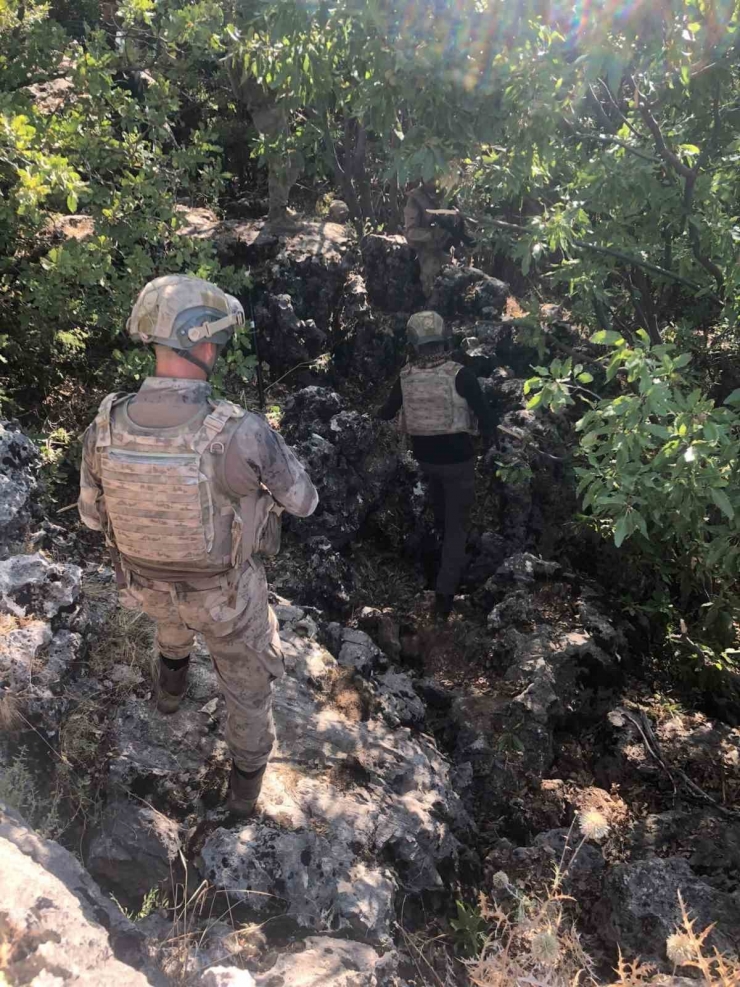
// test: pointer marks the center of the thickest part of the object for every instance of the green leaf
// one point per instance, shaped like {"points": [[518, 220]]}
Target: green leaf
{"points": [[585, 378], [535, 401], [72, 202], [722, 501], [620, 530], [607, 337], [733, 398]]}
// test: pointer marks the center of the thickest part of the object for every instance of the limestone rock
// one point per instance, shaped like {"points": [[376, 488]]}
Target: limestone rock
{"points": [[319, 961], [38, 609], [327, 962], [227, 976], [62, 922], [134, 848], [312, 267], [18, 456], [467, 291], [30, 584], [554, 676], [350, 809], [311, 404], [525, 569], [286, 340], [391, 273], [373, 345], [163, 754], [322, 885], [352, 458], [385, 628], [641, 902], [398, 701], [358, 650], [535, 865], [338, 786]]}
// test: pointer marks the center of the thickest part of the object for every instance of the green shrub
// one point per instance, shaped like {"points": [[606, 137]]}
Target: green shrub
{"points": [[657, 465]]}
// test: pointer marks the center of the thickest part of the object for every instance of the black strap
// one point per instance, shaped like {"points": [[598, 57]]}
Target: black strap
{"points": [[196, 362]]}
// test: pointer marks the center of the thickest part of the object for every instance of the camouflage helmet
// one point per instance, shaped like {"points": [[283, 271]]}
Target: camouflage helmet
{"points": [[180, 311], [426, 327]]}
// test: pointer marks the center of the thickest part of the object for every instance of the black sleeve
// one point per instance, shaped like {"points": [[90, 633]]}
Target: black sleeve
{"points": [[467, 386], [393, 405]]}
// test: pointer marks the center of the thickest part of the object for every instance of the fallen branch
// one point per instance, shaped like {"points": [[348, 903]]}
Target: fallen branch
{"points": [[642, 724]]}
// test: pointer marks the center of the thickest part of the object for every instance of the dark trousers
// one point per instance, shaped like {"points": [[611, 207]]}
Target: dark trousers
{"points": [[452, 487]]}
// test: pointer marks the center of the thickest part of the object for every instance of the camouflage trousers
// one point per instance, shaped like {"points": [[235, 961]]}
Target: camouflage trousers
{"points": [[246, 663], [431, 262]]}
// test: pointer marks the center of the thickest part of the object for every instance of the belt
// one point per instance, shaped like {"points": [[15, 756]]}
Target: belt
{"points": [[211, 581]]}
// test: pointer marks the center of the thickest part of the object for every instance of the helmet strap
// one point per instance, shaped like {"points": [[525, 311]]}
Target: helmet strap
{"points": [[191, 358]]}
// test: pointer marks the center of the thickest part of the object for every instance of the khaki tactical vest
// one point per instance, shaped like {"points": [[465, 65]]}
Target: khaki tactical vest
{"points": [[431, 404], [163, 504]]}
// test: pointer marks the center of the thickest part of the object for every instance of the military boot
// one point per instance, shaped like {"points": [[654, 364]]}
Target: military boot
{"points": [[283, 221], [172, 683], [244, 790]]}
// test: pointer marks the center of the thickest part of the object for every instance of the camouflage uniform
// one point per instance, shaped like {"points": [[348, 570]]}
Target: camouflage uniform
{"points": [[221, 592], [432, 244], [271, 119]]}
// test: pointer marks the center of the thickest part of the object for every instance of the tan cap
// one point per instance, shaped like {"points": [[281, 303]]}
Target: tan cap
{"points": [[178, 310], [426, 327]]}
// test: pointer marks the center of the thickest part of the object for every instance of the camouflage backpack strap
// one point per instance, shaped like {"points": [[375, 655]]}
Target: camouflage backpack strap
{"points": [[102, 419], [208, 436]]}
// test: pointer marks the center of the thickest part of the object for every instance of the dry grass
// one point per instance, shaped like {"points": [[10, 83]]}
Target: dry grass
{"points": [[10, 712], [533, 942], [126, 639], [194, 915]]}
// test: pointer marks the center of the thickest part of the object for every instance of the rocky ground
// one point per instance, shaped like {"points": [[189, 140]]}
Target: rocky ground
{"points": [[417, 765]]}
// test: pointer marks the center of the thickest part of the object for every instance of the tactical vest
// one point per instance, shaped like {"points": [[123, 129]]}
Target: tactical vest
{"points": [[163, 504], [431, 404]]}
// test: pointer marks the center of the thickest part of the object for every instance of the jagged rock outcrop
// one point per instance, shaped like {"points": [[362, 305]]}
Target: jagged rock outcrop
{"points": [[466, 291], [391, 273], [301, 277], [351, 457], [354, 804], [134, 849], [18, 456], [641, 906], [319, 962], [286, 340], [372, 345], [354, 783], [42, 633], [548, 676], [56, 927]]}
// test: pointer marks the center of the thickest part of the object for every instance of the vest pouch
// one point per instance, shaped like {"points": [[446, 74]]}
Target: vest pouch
{"points": [[269, 530], [262, 524]]}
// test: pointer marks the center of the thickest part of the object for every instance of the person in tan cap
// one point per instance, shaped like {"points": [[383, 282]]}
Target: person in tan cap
{"points": [[440, 401], [188, 492]]}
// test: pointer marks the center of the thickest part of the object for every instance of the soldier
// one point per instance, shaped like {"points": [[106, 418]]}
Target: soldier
{"points": [[432, 243], [188, 493], [439, 398]]}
